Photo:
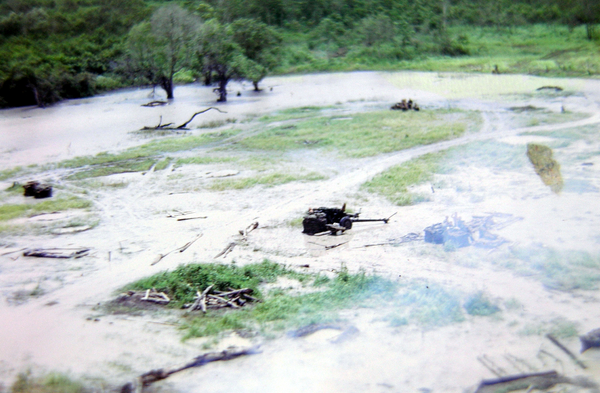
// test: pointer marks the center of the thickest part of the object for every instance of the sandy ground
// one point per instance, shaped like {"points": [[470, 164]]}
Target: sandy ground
{"points": [[58, 331]]}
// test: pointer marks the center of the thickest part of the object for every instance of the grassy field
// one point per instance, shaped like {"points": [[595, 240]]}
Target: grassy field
{"points": [[317, 298], [544, 49], [364, 134]]}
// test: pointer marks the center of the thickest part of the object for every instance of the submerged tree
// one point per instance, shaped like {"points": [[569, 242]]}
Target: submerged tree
{"points": [[259, 43], [220, 56], [158, 49]]}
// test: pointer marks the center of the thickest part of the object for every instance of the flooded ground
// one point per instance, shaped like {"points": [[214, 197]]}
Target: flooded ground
{"points": [[61, 329]]}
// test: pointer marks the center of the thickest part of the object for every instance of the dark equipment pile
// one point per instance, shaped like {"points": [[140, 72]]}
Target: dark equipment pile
{"points": [[334, 220]]}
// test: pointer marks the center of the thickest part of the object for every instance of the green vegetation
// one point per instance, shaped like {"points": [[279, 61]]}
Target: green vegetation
{"points": [[278, 309], [58, 49], [432, 305], [140, 158], [51, 383], [480, 305], [394, 183], [267, 180], [560, 328], [60, 203], [556, 269], [365, 134]]}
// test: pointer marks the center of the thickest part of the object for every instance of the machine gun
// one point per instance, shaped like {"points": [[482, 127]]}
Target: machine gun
{"points": [[334, 220]]}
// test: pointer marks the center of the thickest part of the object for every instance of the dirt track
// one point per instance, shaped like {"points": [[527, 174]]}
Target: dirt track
{"points": [[134, 230]]}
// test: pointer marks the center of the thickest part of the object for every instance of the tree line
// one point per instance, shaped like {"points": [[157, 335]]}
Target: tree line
{"points": [[56, 49]]}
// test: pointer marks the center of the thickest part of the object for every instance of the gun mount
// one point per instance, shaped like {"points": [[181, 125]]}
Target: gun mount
{"points": [[334, 220]]}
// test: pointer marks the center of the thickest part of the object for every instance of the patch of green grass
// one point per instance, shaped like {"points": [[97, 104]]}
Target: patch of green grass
{"points": [[203, 160], [556, 269], [480, 305], [51, 383], [558, 327], [11, 211], [366, 134], [267, 180], [13, 172], [294, 113], [124, 166], [278, 309], [432, 305], [393, 184], [137, 159], [217, 123]]}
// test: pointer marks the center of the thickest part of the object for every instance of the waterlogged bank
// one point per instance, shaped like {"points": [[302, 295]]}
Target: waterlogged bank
{"points": [[451, 306]]}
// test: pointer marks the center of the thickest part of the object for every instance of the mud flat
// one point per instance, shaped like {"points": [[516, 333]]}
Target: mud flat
{"points": [[543, 279]]}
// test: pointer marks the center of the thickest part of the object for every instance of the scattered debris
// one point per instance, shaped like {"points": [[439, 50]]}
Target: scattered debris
{"points": [[244, 233], [64, 253], [180, 249], [555, 88], [183, 126], [234, 298], [589, 340], [155, 103], [406, 105], [37, 190], [149, 295], [565, 350], [159, 374], [333, 220], [476, 232]]}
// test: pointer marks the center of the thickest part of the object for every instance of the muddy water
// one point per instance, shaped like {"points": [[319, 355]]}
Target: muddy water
{"points": [[53, 332]]}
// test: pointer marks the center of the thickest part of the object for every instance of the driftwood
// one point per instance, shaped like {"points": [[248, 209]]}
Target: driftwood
{"points": [[543, 380], [160, 374], [155, 103], [152, 295], [180, 249], [249, 228], [566, 350], [226, 250], [183, 126], [191, 218], [329, 247], [64, 253], [235, 298]]}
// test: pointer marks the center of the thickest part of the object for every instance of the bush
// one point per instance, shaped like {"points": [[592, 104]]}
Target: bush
{"points": [[478, 304]]}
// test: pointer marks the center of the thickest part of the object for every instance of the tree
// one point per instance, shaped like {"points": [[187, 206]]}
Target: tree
{"points": [[259, 44], [220, 56], [158, 49]]}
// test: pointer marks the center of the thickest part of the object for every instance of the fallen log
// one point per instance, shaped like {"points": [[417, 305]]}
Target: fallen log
{"points": [[160, 257], [64, 253], [543, 380], [183, 126], [152, 376], [155, 103], [226, 250], [565, 350]]}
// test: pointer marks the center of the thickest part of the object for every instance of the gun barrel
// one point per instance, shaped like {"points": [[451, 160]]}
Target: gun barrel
{"points": [[370, 219]]}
